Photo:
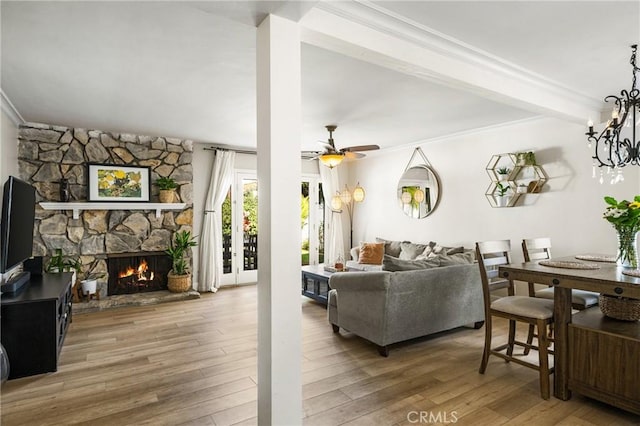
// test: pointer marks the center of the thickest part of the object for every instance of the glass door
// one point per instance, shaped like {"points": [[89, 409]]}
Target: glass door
{"points": [[311, 220], [240, 230]]}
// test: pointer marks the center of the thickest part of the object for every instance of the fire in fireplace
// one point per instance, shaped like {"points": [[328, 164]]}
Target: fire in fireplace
{"points": [[140, 274], [137, 272]]}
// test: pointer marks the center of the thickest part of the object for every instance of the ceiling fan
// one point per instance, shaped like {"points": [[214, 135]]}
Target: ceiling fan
{"points": [[331, 156]]}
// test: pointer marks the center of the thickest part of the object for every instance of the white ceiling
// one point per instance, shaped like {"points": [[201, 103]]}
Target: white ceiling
{"points": [[581, 44], [187, 69]]}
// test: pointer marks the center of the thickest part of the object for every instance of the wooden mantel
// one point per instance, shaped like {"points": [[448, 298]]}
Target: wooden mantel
{"points": [[76, 207]]}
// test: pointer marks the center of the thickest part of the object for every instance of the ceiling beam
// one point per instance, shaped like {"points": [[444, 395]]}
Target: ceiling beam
{"points": [[370, 33]]}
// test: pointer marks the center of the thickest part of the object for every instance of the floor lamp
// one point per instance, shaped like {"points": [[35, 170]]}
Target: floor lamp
{"points": [[347, 198]]}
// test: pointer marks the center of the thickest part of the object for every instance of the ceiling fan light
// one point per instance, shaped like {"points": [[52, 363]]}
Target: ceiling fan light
{"points": [[331, 159], [358, 194]]}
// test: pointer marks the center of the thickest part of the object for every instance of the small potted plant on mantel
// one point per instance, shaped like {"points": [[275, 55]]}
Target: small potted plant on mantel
{"points": [[179, 278], [167, 187]]}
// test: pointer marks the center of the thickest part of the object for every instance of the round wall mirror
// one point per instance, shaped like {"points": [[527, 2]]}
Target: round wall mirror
{"points": [[419, 191]]}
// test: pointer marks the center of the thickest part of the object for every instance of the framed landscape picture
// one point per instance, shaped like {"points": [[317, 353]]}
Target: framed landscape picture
{"points": [[113, 182]]}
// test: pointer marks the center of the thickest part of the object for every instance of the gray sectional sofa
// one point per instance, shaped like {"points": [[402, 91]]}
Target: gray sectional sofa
{"points": [[389, 307]]}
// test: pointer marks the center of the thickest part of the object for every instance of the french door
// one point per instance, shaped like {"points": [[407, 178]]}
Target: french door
{"points": [[240, 230], [240, 227], [311, 220]]}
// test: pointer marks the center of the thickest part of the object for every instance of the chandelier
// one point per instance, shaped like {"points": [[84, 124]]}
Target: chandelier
{"points": [[616, 145]]}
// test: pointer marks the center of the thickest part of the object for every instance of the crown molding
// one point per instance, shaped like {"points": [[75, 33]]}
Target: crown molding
{"points": [[457, 135], [386, 22], [9, 109]]}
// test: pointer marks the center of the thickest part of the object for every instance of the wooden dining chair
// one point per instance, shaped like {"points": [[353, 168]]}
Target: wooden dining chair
{"points": [[528, 310], [540, 249]]}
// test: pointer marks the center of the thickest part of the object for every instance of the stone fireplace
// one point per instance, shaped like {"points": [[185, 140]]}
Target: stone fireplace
{"points": [[47, 154], [131, 273]]}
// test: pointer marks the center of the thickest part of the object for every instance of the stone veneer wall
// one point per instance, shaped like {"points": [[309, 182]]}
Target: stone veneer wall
{"points": [[48, 153]]}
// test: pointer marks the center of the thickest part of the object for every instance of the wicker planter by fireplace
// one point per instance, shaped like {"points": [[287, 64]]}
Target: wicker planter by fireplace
{"points": [[178, 283]]}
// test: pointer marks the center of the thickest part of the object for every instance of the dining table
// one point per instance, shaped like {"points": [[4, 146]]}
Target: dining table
{"points": [[606, 277]]}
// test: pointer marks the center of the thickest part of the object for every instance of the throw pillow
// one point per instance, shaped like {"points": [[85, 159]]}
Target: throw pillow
{"points": [[371, 253], [427, 251], [437, 249], [409, 251], [392, 248], [393, 264], [465, 258], [454, 250]]}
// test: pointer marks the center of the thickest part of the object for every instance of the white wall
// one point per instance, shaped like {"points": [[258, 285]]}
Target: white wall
{"points": [[202, 164], [8, 155], [569, 209], [8, 148]]}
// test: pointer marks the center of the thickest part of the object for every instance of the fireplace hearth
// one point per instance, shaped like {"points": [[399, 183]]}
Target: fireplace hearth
{"points": [[131, 273]]}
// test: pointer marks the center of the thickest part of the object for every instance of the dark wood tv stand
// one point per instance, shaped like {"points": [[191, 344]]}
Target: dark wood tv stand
{"points": [[34, 324]]}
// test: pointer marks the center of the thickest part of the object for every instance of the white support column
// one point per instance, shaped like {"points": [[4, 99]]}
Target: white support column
{"points": [[279, 308]]}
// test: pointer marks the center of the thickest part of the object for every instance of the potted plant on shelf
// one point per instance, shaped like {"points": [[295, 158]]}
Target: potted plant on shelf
{"points": [[522, 188], [179, 278], [503, 173], [167, 187], [526, 158], [501, 196]]}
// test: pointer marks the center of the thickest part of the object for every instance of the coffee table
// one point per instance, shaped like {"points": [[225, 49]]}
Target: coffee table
{"points": [[315, 282]]}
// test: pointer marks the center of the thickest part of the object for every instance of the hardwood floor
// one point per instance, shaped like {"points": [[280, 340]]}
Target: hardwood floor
{"points": [[194, 363]]}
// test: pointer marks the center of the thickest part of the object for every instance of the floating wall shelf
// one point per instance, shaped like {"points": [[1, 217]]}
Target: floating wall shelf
{"points": [[76, 207], [521, 180]]}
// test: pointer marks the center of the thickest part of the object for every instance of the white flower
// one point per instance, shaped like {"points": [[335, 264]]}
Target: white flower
{"points": [[615, 213]]}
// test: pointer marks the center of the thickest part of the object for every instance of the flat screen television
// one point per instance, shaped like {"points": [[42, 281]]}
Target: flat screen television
{"points": [[16, 227]]}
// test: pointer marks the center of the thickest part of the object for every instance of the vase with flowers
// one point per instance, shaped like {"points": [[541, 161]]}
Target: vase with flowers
{"points": [[625, 218]]}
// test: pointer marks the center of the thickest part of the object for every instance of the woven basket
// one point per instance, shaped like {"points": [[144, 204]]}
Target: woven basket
{"points": [[178, 283], [620, 308]]}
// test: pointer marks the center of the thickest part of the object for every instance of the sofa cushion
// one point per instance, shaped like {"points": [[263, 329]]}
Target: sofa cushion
{"points": [[438, 249], [464, 258], [427, 251], [353, 265], [454, 250], [355, 253], [371, 253], [394, 264], [409, 251], [392, 248]]}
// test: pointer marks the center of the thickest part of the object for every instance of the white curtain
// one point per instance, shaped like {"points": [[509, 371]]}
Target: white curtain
{"points": [[333, 238], [210, 261]]}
